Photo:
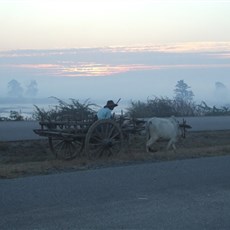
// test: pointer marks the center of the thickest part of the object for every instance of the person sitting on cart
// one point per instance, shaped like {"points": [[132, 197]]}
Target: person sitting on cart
{"points": [[106, 111]]}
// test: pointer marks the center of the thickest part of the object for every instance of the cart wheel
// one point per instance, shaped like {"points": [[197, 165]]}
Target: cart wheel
{"points": [[65, 149], [104, 138]]}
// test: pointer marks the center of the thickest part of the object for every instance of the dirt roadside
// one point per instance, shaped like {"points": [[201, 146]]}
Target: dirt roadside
{"points": [[29, 158]]}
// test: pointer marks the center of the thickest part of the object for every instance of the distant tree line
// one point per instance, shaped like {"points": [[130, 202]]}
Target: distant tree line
{"points": [[15, 89], [14, 116]]}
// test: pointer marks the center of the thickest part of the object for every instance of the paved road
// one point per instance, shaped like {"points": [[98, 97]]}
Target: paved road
{"points": [[208, 123], [186, 194], [23, 130], [18, 130]]}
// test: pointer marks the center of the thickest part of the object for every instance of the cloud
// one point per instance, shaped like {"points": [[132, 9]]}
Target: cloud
{"points": [[109, 61], [96, 69]]}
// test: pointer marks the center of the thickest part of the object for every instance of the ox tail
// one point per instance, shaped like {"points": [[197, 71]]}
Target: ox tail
{"points": [[147, 130]]}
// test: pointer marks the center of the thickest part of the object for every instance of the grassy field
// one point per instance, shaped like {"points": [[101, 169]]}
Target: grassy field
{"points": [[29, 158]]}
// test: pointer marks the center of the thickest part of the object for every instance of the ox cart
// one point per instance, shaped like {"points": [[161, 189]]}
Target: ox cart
{"points": [[70, 138]]}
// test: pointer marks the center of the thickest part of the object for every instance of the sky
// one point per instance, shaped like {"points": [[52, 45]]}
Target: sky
{"points": [[110, 49]]}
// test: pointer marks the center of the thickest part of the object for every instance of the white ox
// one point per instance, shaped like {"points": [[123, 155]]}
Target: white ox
{"points": [[162, 128]]}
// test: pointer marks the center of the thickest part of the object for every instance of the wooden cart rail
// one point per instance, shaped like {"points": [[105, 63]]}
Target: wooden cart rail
{"points": [[57, 134], [68, 139], [65, 124]]}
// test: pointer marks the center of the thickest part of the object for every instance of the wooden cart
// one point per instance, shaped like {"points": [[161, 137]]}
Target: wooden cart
{"points": [[71, 138]]}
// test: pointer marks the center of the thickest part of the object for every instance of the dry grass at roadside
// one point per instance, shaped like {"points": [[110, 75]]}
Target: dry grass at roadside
{"points": [[27, 158]]}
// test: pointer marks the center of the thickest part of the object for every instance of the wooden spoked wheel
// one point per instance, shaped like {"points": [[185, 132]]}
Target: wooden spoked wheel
{"points": [[65, 148], [104, 138]]}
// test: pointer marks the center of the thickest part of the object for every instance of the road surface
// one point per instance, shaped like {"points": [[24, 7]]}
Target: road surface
{"points": [[23, 130], [185, 194], [18, 130]]}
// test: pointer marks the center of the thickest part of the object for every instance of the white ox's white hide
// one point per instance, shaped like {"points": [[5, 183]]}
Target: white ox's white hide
{"points": [[162, 128]]}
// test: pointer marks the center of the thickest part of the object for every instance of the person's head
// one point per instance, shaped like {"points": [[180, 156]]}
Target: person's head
{"points": [[110, 104]]}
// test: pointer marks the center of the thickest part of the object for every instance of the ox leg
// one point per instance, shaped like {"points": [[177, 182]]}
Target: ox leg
{"points": [[149, 143], [171, 143]]}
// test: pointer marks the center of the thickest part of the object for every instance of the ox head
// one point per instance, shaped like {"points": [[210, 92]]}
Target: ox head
{"points": [[183, 128]]}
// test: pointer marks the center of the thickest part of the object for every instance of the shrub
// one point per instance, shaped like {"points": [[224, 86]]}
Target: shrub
{"points": [[165, 107]]}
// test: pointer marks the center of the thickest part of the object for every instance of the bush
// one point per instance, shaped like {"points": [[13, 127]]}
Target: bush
{"points": [[206, 110], [165, 107]]}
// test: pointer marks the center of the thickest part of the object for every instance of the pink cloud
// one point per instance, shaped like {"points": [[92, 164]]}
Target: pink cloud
{"points": [[96, 69], [93, 69], [107, 70]]}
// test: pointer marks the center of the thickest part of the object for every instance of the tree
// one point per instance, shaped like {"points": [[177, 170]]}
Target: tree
{"points": [[32, 89], [16, 116], [221, 91], [14, 89], [220, 86], [183, 93]]}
